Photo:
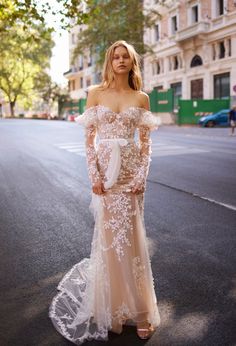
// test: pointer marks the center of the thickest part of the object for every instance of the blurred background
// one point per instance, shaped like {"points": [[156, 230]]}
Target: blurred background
{"points": [[52, 51]]}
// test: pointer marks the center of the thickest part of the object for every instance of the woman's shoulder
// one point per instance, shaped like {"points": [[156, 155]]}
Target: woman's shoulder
{"points": [[94, 89], [93, 95], [143, 99]]}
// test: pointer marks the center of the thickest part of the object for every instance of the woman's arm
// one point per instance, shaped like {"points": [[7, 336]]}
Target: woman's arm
{"points": [[139, 181], [91, 155]]}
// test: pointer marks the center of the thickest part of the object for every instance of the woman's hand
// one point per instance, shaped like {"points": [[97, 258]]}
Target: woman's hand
{"points": [[98, 188], [138, 188]]}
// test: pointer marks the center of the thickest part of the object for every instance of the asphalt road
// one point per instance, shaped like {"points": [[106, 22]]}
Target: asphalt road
{"points": [[46, 227]]}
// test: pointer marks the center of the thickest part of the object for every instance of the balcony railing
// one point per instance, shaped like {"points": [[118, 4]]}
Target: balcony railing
{"points": [[71, 71], [192, 31], [224, 20]]}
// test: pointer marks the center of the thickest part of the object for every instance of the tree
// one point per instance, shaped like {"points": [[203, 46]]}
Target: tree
{"points": [[23, 56], [30, 12], [50, 92], [110, 20]]}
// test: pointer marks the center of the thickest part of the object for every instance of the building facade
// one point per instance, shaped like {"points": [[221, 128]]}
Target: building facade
{"points": [[194, 47], [194, 51], [82, 72]]}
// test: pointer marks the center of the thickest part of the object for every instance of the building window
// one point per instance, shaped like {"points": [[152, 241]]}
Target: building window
{"points": [[88, 82], [90, 59], [156, 67], [222, 50], [229, 47], [157, 32], [174, 26], [81, 82], [176, 63], [219, 7], [222, 86], [177, 91], [81, 62], [197, 89], [214, 51], [196, 61], [195, 14]]}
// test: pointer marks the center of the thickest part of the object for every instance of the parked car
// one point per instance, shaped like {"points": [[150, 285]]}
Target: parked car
{"points": [[220, 118]]}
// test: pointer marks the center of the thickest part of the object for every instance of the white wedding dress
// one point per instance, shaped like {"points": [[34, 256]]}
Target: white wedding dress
{"points": [[115, 285]]}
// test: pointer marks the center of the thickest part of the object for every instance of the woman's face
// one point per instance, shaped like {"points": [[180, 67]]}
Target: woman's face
{"points": [[121, 61]]}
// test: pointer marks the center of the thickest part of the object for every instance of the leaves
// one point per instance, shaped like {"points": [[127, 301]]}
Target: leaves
{"points": [[23, 55], [110, 20]]}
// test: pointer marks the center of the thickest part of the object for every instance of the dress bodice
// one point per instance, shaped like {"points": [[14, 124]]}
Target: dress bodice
{"points": [[110, 124]]}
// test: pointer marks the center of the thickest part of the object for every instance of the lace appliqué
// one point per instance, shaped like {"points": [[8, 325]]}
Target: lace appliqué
{"points": [[122, 313], [119, 204], [93, 173], [92, 300], [139, 274]]}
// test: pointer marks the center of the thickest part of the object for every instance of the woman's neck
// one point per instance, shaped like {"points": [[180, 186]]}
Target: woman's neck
{"points": [[120, 83]]}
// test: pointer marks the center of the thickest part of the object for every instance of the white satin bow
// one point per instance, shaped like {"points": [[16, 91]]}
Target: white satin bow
{"points": [[114, 164]]}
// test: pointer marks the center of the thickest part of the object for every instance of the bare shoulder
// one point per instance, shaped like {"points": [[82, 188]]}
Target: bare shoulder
{"points": [[144, 100], [93, 94]]}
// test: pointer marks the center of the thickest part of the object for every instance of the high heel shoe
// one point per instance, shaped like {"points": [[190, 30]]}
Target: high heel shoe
{"points": [[145, 333]]}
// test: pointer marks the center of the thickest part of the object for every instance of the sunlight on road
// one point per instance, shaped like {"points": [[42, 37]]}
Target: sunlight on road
{"points": [[191, 326]]}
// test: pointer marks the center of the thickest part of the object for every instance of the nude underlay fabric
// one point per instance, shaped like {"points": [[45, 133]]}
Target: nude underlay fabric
{"points": [[114, 286]]}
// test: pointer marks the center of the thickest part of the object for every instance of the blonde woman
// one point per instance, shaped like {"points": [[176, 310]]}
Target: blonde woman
{"points": [[115, 285]]}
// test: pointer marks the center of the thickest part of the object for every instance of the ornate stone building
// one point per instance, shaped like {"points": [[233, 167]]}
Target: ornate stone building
{"points": [[194, 49], [82, 71]]}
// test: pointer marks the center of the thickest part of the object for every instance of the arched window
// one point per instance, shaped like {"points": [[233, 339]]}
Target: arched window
{"points": [[196, 61]]}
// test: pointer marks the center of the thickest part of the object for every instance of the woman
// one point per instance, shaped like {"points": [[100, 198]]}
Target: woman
{"points": [[232, 120], [115, 285]]}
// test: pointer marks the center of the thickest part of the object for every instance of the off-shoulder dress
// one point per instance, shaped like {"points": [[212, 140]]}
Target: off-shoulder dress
{"points": [[115, 285]]}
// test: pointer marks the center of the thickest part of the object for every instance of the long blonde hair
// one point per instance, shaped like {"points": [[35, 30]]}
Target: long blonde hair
{"points": [[135, 79]]}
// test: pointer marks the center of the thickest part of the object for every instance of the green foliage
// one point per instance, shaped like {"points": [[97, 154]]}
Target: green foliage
{"points": [[30, 12], [23, 57], [49, 91], [110, 20], [26, 43]]}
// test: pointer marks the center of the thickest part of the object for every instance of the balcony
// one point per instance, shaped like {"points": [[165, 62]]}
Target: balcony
{"points": [[71, 72], [223, 21], [192, 31]]}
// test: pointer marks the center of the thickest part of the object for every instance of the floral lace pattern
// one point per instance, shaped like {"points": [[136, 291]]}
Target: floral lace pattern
{"points": [[139, 274], [108, 124], [115, 285], [122, 313], [121, 228]]}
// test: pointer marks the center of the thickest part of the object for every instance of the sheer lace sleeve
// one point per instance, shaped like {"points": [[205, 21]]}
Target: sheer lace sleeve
{"points": [[89, 120], [149, 120], [147, 123]]}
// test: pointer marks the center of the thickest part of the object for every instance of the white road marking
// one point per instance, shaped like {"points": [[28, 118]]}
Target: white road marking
{"points": [[179, 151], [229, 206], [68, 143], [158, 149], [226, 205], [68, 147], [83, 154]]}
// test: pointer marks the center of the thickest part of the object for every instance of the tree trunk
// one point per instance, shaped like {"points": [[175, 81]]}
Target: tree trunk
{"points": [[12, 108]]}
